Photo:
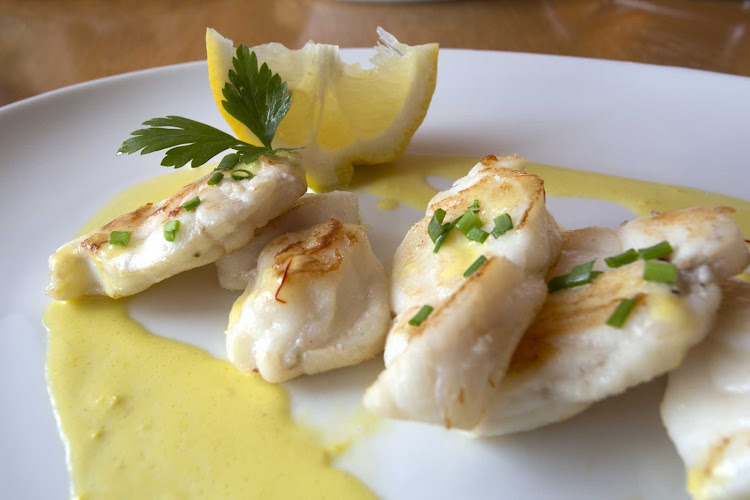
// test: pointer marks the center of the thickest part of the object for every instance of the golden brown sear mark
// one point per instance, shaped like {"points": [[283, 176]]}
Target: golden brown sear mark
{"points": [[567, 312]]}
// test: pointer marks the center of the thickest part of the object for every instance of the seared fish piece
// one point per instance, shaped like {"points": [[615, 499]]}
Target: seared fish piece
{"points": [[444, 371], [318, 300], [706, 408], [234, 269], [569, 357], [226, 219]]}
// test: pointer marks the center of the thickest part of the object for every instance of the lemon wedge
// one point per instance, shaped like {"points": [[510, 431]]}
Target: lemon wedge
{"points": [[341, 114]]}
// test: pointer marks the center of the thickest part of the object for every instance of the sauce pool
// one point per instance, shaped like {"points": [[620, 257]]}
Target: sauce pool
{"points": [[145, 416]]}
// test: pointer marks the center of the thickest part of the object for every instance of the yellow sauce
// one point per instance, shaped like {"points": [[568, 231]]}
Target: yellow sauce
{"points": [[406, 180], [147, 417]]}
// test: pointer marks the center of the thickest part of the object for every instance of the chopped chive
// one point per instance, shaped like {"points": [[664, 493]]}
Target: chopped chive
{"points": [[477, 234], [621, 313], [468, 221], [446, 231], [215, 179], [240, 174], [582, 274], [474, 206], [228, 162], [660, 272], [656, 251], [476, 265], [170, 229], [436, 228], [420, 316], [119, 238], [191, 204], [503, 224], [623, 258]]}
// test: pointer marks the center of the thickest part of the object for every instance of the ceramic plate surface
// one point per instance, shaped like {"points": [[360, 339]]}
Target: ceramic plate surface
{"points": [[656, 123]]}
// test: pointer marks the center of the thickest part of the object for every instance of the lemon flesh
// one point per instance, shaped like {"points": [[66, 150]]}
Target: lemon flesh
{"points": [[342, 115]]}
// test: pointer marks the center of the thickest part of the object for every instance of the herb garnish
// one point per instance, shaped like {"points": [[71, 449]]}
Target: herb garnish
{"points": [[622, 259], [256, 97], [121, 238], [475, 266], [621, 313], [657, 251], [503, 224], [421, 315], [170, 229], [191, 204], [582, 274], [660, 272]]}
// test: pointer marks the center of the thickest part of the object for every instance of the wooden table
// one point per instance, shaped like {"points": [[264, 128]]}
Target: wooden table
{"points": [[46, 44]]}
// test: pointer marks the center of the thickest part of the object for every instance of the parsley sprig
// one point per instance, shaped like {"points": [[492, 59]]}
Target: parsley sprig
{"points": [[255, 96]]}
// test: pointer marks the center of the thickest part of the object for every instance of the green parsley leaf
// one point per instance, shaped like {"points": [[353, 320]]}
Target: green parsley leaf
{"points": [[256, 97]]}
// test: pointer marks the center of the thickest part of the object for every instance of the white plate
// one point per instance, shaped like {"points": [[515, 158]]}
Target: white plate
{"points": [[657, 123]]}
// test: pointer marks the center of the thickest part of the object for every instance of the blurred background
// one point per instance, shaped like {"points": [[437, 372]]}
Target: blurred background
{"points": [[46, 44]]}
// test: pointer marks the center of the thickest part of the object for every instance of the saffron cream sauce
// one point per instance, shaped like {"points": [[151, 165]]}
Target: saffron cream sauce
{"points": [[145, 416]]}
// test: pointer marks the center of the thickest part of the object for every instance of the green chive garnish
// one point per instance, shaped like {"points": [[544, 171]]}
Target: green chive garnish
{"points": [[240, 174], [660, 272], [654, 252], [476, 265], [580, 275], [446, 230], [191, 204], [420, 316], [503, 224], [215, 179], [170, 229], [436, 228], [474, 206], [468, 221], [477, 234], [623, 258], [119, 238], [621, 313]]}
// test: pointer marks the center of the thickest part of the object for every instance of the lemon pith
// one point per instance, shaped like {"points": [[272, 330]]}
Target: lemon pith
{"points": [[341, 114]]}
